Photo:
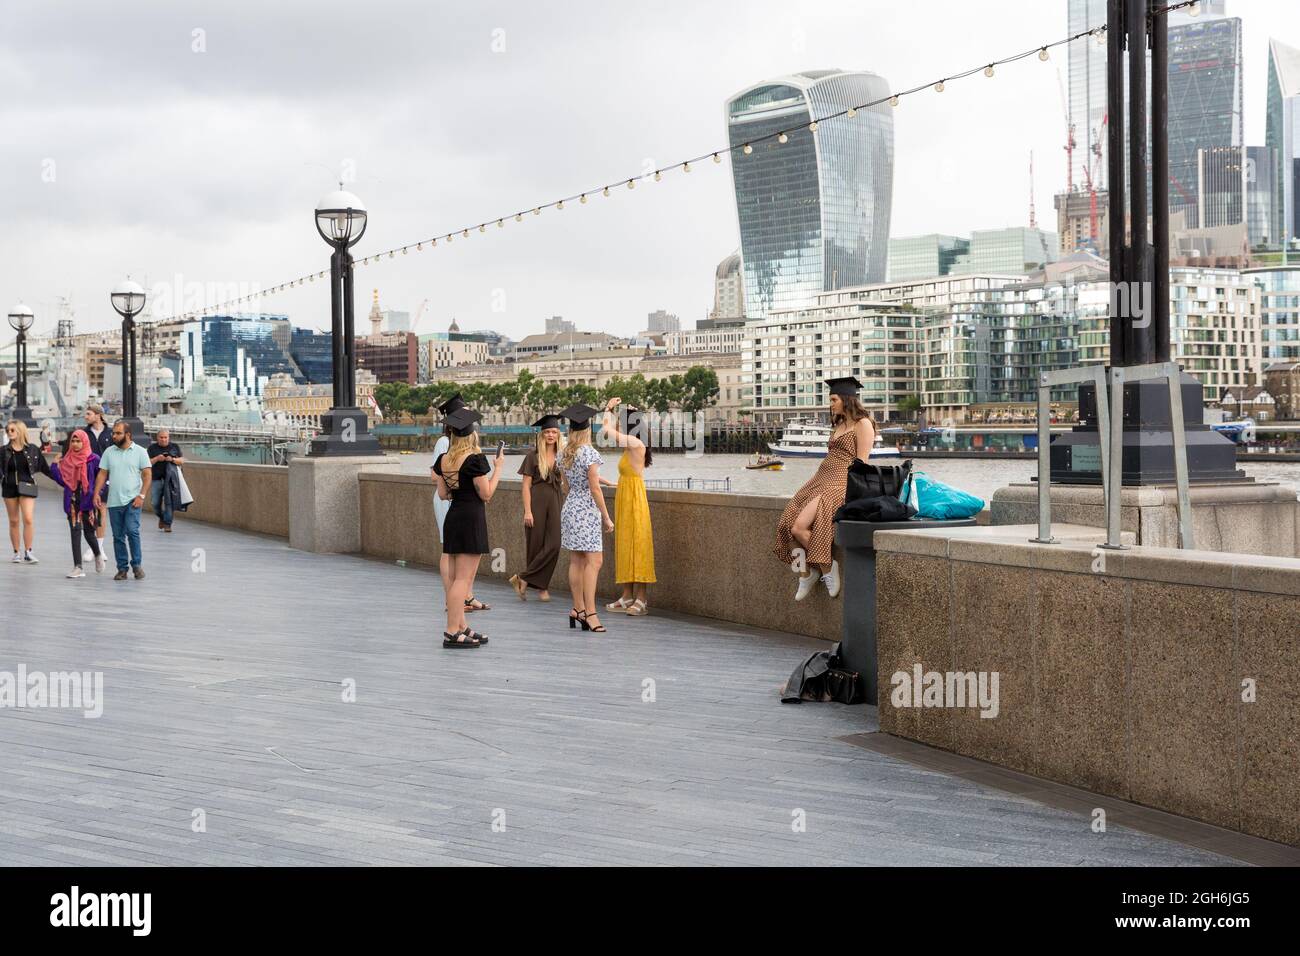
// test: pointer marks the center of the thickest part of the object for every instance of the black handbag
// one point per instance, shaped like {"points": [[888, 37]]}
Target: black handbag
{"points": [[869, 479], [27, 489]]}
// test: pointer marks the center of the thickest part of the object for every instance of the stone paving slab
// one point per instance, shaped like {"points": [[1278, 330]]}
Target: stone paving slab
{"points": [[224, 673]]}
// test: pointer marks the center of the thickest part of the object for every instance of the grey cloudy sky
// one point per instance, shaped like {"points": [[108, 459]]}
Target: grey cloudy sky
{"points": [[125, 151]]}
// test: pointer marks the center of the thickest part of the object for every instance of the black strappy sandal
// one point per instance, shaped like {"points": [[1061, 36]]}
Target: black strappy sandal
{"points": [[598, 629], [474, 604], [481, 638], [576, 618], [459, 639]]}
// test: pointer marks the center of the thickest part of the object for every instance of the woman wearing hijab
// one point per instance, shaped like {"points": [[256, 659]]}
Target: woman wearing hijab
{"points": [[463, 479], [76, 471], [583, 518], [543, 494], [634, 546], [806, 532]]}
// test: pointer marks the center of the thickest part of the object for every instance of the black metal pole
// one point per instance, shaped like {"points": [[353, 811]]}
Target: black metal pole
{"points": [[349, 333], [336, 324], [1115, 171], [1139, 339], [1160, 182], [22, 369], [135, 404]]}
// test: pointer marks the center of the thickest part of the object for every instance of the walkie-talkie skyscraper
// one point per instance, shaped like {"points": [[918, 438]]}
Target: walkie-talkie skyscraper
{"points": [[813, 211]]}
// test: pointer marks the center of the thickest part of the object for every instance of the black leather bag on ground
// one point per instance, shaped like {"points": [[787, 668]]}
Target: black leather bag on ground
{"points": [[820, 678], [869, 479]]}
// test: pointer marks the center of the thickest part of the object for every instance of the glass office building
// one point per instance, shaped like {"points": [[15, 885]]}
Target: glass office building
{"points": [[814, 211], [1205, 104], [922, 257], [1282, 135], [1017, 249], [1087, 97], [1279, 312], [1263, 210]]}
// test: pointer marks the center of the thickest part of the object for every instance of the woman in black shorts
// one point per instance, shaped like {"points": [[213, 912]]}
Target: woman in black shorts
{"points": [[462, 476]]}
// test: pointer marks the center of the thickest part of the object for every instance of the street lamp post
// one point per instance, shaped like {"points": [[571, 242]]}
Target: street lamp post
{"points": [[21, 319], [341, 221], [128, 301]]}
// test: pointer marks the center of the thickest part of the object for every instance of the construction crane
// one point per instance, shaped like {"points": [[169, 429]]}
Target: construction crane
{"points": [[1033, 220], [1069, 133], [415, 323]]}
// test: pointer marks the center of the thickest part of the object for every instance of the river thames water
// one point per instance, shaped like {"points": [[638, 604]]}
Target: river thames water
{"points": [[977, 477]]}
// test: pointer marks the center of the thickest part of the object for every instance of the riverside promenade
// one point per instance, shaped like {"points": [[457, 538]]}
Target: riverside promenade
{"points": [[226, 737]]}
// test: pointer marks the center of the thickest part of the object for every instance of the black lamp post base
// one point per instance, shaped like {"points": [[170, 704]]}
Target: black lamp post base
{"points": [[344, 433], [1148, 457], [22, 413]]}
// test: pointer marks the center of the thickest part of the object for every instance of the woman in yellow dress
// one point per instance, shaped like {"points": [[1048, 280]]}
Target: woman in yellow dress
{"points": [[634, 547]]}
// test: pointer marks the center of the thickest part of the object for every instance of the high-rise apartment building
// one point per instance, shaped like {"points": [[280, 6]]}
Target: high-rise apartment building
{"points": [[728, 289], [920, 257], [813, 211], [1087, 93], [659, 322]]}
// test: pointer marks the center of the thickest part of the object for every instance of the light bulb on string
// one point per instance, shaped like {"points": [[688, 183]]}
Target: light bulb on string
{"points": [[782, 138], [464, 234], [893, 100], [938, 87], [583, 199], [717, 158], [686, 167], [631, 184], [501, 224], [537, 211], [605, 191], [519, 217], [658, 176], [1043, 54], [988, 70], [812, 127], [851, 112], [748, 149]]}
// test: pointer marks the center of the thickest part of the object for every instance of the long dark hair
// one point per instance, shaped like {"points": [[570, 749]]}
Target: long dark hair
{"points": [[852, 409]]}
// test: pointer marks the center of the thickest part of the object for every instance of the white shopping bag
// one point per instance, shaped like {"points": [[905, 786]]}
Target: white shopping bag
{"points": [[187, 499]]}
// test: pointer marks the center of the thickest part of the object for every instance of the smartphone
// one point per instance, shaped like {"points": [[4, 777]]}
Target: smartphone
{"points": [[501, 447]]}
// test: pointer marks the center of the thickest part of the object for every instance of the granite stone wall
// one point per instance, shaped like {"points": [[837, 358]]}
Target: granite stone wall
{"points": [[1167, 678]]}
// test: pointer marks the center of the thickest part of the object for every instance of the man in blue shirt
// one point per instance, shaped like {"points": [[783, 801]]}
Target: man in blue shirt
{"points": [[128, 467]]}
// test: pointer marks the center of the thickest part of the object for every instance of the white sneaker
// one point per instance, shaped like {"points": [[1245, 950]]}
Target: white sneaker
{"points": [[30, 558], [100, 562], [17, 558], [76, 573], [832, 579], [806, 584], [87, 555]]}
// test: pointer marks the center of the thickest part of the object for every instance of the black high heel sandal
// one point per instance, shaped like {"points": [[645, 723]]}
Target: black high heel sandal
{"points": [[582, 619], [459, 639], [575, 619]]}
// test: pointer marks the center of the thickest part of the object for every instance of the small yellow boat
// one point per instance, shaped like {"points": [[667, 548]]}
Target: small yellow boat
{"points": [[766, 463]]}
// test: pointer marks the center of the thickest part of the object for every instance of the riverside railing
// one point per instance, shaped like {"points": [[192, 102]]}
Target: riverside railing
{"points": [[1110, 435]]}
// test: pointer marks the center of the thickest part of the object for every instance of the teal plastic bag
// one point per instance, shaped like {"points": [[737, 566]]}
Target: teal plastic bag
{"points": [[939, 502]]}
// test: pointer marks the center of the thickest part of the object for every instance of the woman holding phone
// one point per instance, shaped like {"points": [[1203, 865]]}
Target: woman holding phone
{"points": [[543, 495], [462, 476]]}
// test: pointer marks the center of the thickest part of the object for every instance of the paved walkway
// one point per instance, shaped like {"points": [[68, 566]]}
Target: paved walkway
{"points": [[223, 704]]}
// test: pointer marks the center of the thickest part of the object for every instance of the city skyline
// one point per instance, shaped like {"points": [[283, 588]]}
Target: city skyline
{"points": [[161, 202]]}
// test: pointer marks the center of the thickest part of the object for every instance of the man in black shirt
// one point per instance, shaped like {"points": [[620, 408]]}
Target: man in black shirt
{"points": [[161, 454]]}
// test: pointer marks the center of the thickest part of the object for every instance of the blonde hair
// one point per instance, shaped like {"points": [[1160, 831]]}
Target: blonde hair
{"points": [[544, 469], [462, 446], [21, 428], [577, 439]]}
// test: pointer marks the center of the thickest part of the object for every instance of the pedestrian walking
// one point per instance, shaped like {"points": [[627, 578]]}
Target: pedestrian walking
{"points": [[166, 458], [127, 464], [543, 497], [101, 439], [76, 471], [20, 463]]}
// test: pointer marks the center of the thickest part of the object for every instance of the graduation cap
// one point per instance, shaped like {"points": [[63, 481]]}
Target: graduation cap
{"points": [[579, 416], [547, 421], [462, 421], [844, 387], [451, 404]]}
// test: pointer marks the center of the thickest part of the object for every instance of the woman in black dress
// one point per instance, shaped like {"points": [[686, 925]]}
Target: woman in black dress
{"points": [[543, 493], [462, 475]]}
